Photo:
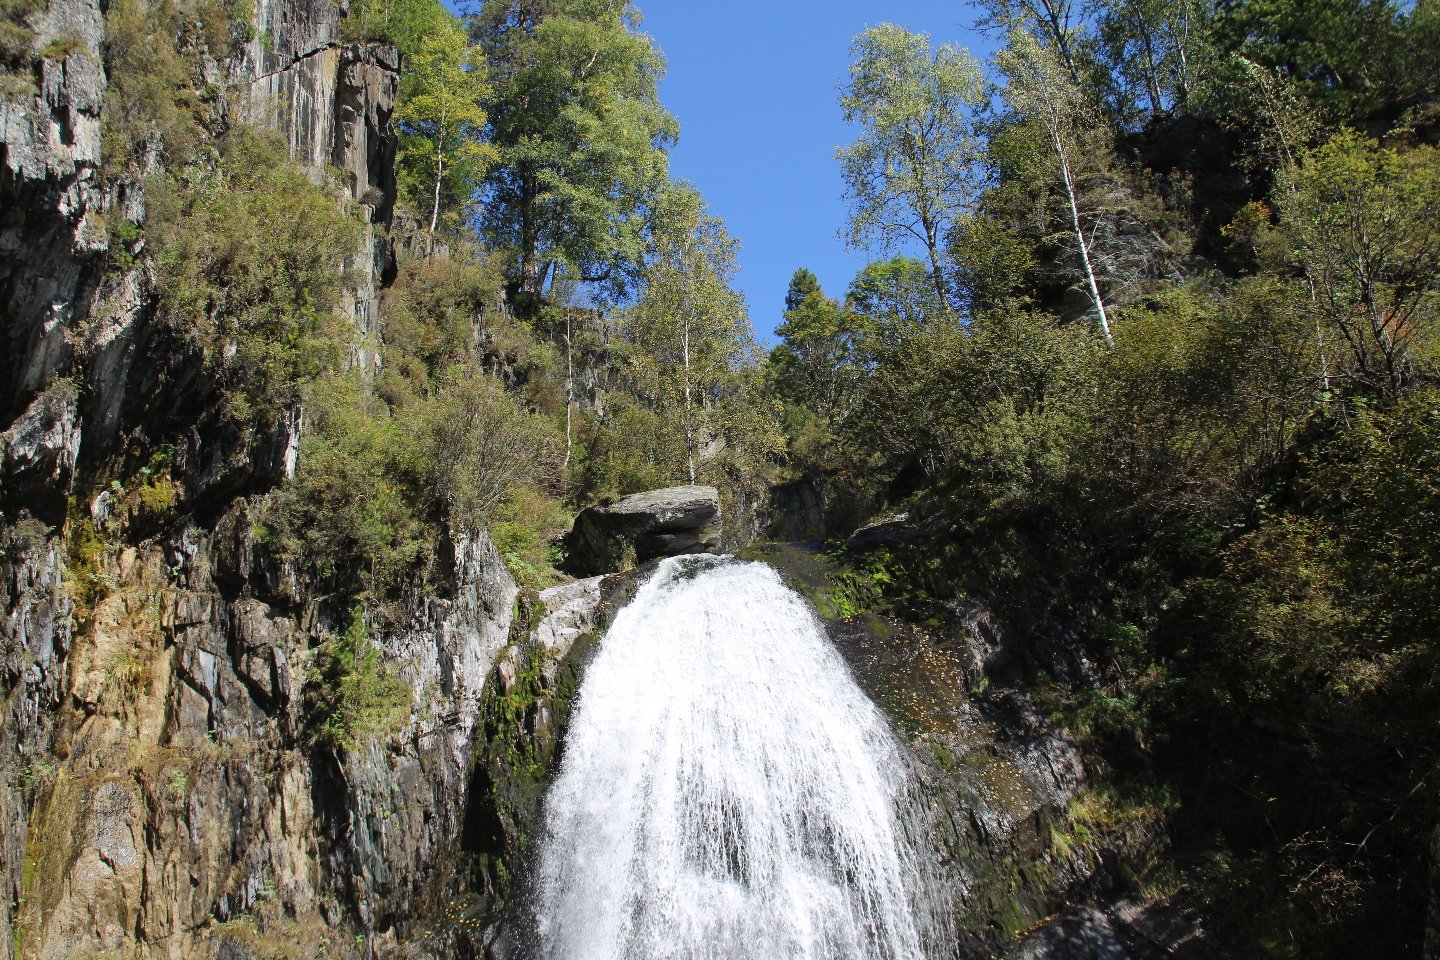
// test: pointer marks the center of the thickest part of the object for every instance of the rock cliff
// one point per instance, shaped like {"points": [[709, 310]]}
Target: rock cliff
{"points": [[160, 793]]}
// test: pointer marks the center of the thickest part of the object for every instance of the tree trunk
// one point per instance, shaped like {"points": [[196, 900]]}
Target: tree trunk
{"points": [[689, 418], [435, 204], [569, 389], [529, 237], [1069, 182], [932, 243]]}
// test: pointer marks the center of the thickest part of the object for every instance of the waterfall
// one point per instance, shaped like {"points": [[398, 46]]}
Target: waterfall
{"points": [[728, 792]]}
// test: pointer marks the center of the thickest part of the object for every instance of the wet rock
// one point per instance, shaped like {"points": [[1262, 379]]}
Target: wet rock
{"points": [[570, 611], [1084, 934], [395, 819], [644, 526], [1127, 929]]}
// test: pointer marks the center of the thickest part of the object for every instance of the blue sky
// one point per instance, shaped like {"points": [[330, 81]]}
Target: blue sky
{"points": [[754, 86]]}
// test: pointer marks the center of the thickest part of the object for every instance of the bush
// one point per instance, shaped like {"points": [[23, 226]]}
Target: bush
{"points": [[404, 23], [476, 448], [354, 698], [158, 97], [372, 491], [351, 514], [526, 530], [431, 314], [249, 257]]}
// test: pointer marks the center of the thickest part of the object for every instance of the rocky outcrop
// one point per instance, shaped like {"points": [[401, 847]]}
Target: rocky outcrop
{"points": [[180, 800], [1128, 929], [333, 103], [51, 231], [642, 527], [397, 816], [1023, 831], [161, 791]]}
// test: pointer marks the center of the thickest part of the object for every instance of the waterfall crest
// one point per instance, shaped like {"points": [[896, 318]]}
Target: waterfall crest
{"points": [[727, 791]]}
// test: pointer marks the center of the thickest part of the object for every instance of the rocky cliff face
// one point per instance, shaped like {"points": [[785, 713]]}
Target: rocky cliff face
{"points": [[160, 795]]}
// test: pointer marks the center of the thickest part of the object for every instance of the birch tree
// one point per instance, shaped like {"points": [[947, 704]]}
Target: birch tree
{"points": [[441, 121], [1039, 89], [910, 172], [689, 333], [1155, 50], [1054, 21]]}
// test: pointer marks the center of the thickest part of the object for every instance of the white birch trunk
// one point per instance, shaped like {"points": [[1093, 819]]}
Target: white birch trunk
{"points": [[1080, 236]]}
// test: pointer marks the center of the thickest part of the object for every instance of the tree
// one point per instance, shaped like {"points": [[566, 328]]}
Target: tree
{"points": [[1040, 90], [888, 301], [441, 119], [689, 334], [909, 173], [581, 137], [1348, 57], [404, 23], [1154, 49], [802, 284], [992, 263], [1051, 20], [1362, 220], [815, 362]]}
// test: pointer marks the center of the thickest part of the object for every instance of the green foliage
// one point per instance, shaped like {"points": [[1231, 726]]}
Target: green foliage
{"points": [[405, 23], [476, 448], [1352, 59], [910, 171], [364, 510], [431, 313], [802, 283], [581, 137], [633, 448], [440, 118], [124, 238], [249, 256], [58, 48], [992, 262], [351, 513], [158, 99], [876, 580], [354, 697], [526, 531], [816, 364], [1157, 52], [17, 38], [1364, 224], [688, 347]]}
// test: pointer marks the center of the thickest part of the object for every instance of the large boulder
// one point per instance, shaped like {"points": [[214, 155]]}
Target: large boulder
{"points": [[657, 523]]}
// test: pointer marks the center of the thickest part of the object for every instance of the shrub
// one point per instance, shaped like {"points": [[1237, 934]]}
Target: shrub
{"points": [[404, 23], [476, 449], [354, 696], [430, 317], [351, 514], [155, 55], [526, 529], [249, 257]]}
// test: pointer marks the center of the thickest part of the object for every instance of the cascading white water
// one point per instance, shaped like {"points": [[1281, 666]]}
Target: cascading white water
{"points": [[727, 791]]}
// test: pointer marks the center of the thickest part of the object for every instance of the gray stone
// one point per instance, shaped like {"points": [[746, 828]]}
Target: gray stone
{"points": [[657, 523], [571, 611], [39, 452]]}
